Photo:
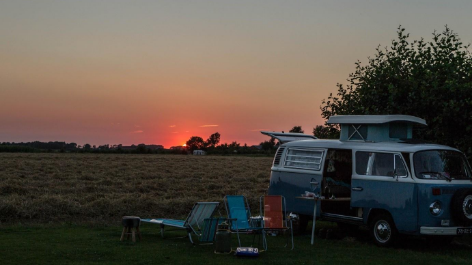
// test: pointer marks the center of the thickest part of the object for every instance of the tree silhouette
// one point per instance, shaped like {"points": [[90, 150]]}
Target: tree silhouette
{"points": [[213, 140], [141, 149], [195, 143], [268, 145], [296, 129], [431, 80], [324, 132]]}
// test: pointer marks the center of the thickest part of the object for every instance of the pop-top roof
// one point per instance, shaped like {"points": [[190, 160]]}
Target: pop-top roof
{"points": [[374, 119]]}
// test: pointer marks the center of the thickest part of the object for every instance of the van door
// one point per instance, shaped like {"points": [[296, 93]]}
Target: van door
{"points": [[381, 180]]}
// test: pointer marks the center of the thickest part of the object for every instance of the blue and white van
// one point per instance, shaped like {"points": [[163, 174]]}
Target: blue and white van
{"points": [[377, 176]]}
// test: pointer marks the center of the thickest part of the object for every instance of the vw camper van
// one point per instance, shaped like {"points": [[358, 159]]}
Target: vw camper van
{"points": [[377, 176]]}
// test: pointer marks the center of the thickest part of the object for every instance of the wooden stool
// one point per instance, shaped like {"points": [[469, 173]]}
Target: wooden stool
{"points": [[130, 227]]}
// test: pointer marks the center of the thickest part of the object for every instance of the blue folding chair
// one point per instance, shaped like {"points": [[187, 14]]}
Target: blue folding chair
{"points": [[239, 216], [198, 222]]}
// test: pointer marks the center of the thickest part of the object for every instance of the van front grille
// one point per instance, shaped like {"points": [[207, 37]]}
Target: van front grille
{"points": [[278, 155]]}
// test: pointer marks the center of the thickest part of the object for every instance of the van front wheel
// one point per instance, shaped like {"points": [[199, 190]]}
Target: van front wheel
{"points": [[383, 231]]}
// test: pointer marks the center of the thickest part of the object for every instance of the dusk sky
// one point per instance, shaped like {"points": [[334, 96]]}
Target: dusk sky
{"points": [[159, 72]]}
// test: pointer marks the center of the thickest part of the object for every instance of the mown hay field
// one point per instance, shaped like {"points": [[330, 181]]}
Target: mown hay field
{"points": [[100, 188]]}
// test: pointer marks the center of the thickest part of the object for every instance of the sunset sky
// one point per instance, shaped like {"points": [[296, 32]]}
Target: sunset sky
{"points": [[159, 72]]}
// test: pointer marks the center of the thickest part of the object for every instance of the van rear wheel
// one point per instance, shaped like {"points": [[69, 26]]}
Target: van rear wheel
{"points": [[382, 230]]}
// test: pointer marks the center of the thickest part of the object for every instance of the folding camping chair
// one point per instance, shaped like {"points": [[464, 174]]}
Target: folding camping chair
{"points": [[198, 222], [239, 216], [273, 210]]}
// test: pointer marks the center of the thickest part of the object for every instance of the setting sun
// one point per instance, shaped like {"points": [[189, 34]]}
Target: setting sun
{"points": [[184, 145]]}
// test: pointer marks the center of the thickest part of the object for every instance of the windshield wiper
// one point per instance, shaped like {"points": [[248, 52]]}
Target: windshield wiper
{"points": [[442, 174]]}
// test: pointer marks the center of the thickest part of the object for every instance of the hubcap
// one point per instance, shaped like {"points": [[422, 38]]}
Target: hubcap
{"points": [[382, 231], [467, 206]]}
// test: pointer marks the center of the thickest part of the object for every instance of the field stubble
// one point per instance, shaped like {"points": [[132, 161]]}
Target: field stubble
{"points": [[99, 188]]}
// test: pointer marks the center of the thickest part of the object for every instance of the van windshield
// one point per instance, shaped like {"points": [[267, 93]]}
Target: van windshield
{"points": [[440, 164]]}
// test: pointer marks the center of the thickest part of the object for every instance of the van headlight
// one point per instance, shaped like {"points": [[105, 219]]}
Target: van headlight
{"points": [[435, 208]]}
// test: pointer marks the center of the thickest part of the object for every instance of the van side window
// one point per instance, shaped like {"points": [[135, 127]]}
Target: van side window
{"points": [[362, 160], [382, 164], [400, 166], [304, 159]]}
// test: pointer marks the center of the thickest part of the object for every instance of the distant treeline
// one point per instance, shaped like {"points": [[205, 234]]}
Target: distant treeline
{"points": [[63, 147], [37, 147]]}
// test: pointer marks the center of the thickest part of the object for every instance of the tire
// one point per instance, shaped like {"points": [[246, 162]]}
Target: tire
{"points": [[461, 207], [383, 231]]}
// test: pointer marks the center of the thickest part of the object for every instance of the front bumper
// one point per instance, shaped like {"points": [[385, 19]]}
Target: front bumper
{"points": [[446, 231]]}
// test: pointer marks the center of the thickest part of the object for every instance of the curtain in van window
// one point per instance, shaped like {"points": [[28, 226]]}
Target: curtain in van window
{"points": [[384, 164]]}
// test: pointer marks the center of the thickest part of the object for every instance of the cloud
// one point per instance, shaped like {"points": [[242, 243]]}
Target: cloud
{"points": [[213, 125], [172, 126], [139, 131], [137, 126]]}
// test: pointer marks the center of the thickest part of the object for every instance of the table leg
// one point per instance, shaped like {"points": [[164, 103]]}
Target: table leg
{"points": [[314, 222]]}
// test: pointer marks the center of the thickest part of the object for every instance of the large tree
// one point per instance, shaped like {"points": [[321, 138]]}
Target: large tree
{"points": [[428, 79], [195, 143], [213, 140]]}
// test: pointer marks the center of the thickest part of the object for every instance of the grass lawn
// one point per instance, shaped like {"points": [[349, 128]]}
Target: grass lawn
{"points": [[73, 244], [48, 192]]}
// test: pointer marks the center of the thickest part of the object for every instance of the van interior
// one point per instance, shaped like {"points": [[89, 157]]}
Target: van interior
{"points": [[336, 183]]}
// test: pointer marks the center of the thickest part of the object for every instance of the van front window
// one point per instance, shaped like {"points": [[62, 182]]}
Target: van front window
{"points": [[440, 164]]}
